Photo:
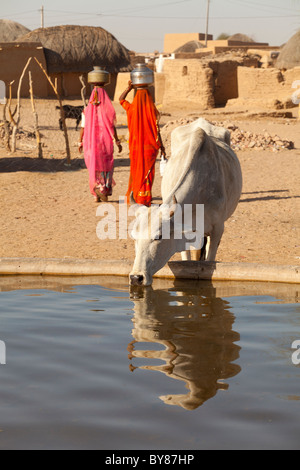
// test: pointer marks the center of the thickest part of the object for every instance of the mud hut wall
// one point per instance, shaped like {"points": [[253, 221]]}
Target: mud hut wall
{"points": [[227, 43], [13, 58], [56, 79], [192, 55], [263, 50], [188, 83], [259, 83], [266, 84], [221, 49], [70, 85], [160, 86], [226, 77], [225, 81], [121, 85]]}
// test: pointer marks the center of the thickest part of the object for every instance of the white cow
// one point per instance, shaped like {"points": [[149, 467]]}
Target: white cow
{"points": [[202, 169]]}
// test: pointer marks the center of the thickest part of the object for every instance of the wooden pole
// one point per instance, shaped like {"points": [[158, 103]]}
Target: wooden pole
{"points": [[62, 114], [207, 20], [36, 122], [6, 129], [42, 17], [11, 115], [6, 123], [16, 125]]}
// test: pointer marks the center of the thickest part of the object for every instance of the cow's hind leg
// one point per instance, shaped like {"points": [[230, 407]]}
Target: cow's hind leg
{"points": [[215, 239], [204, 249], [190, 255], [195, 255]]}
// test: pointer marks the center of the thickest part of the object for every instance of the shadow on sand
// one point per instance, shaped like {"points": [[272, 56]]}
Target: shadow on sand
{"points": [[48, 165]]}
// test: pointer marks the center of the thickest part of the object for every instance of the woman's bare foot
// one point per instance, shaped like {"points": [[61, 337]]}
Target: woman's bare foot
{"points": [[100, 195]]}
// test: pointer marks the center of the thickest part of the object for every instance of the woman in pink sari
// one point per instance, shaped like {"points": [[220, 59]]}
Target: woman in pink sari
{"points": [[96, 139]]}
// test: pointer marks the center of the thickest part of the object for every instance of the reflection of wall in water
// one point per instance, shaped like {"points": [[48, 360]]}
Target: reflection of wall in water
{"points": [[199, 344]]}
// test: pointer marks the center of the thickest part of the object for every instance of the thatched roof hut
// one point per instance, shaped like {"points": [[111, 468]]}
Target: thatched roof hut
{"points": [[79, 48], [190, 46], [289, 56], [10, 30], [238, 37]]}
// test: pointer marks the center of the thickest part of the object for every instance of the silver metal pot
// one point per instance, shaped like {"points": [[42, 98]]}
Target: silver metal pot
{"points": [[99, 76], [142, 76]]}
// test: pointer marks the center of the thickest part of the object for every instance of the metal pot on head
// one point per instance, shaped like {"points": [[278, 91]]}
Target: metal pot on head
{"points": [[142, 76], [98, 76]]}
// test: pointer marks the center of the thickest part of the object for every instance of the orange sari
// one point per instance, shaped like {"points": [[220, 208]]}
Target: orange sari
{"points": [[144, 145]]}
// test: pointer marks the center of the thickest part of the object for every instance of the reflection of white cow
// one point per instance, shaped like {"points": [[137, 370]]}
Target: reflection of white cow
{"points": [[197, 344], [203, 169]]}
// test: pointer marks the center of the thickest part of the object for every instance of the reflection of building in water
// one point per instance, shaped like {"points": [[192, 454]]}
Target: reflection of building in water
{"points": [[195, 329]]}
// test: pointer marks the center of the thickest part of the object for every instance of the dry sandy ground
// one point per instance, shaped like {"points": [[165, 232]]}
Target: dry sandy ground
{"points": [[46, 209]]}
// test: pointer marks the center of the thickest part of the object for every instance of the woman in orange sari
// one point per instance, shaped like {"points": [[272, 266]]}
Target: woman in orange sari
{"points": [[144, 143]]}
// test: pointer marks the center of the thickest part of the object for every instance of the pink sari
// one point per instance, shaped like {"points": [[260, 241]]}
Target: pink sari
{"points": [[100, 118]]}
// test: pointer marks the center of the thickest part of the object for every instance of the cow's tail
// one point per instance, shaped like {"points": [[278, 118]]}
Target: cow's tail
{"points": [[197, 140]]}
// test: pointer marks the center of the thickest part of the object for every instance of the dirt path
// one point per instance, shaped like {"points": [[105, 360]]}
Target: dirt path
{"points": [[46, 209]]}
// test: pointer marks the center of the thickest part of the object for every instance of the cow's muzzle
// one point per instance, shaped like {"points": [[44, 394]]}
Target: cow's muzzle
{"points": [[136, 279]]}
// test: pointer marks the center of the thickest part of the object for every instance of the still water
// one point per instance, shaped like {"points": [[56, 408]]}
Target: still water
{"points": [[185, 365]]}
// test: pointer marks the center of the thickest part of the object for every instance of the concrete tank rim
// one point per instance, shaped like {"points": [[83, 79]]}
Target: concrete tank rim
{"points": [[185, 270]]}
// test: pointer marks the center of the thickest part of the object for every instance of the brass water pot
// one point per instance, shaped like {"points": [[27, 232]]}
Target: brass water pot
{"points": [[99, 76]]}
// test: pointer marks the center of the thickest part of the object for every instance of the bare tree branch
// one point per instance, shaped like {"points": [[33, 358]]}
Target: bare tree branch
{"points": [[17, 122], [62, 114], [36, 125]]}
